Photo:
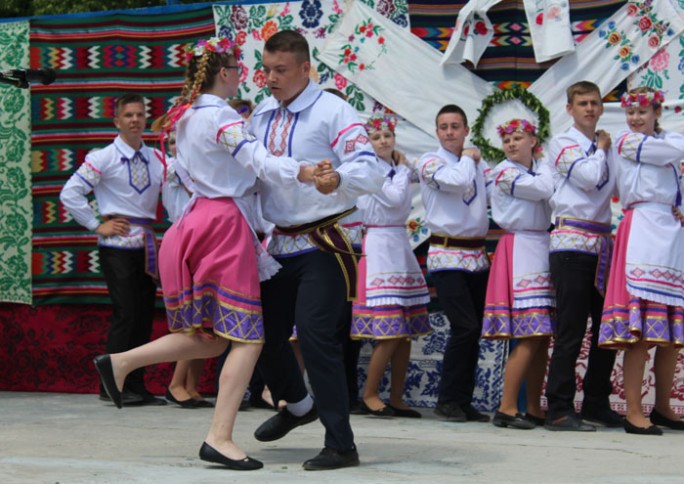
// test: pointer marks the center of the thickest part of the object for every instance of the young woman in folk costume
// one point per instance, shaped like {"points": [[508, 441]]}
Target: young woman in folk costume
{"points": [[520, 301], [210, 259], [392, 294], [645, 295]]}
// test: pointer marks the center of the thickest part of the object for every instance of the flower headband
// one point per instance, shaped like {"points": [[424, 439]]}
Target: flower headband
{"points": [[642, 99], [219, 45], [381, 122], [517, 125]]}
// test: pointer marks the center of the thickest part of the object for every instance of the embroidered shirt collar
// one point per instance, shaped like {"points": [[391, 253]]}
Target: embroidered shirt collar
{"points": [[306, 98], [127, 153], [584, 142], [448, 155]]}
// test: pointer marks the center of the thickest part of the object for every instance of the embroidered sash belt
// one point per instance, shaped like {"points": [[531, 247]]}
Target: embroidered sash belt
{"points": [[327, 235], [151, 244], [457, 242], [604, 249]]}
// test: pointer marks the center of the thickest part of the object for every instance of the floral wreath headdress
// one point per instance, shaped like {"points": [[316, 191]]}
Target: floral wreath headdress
{"points": [[642, 99], [381, 122], [218, 45], [517, 125]]}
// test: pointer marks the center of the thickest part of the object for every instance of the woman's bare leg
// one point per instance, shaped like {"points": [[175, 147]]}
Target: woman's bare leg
{"points": [[633, 366], [380, 356], [235, 375], [665, 365], [399, 362]]}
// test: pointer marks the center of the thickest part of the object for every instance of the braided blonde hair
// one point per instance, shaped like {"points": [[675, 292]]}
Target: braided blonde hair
{"points": [[199, 76]]}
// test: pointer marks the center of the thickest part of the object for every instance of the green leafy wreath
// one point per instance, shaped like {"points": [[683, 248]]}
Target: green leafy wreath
{"points": [[492, 153]]}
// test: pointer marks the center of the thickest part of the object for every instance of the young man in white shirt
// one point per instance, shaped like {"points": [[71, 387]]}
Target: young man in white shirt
{"points": [[453, 191], [125, 177], [314, 287], [580, 253]]}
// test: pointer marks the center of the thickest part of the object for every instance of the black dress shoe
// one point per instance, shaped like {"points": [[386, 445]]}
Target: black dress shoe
{"points": [[385, 411], [281, 423], [330, 459], [209, 454], [630, 428], [568, 423], [451, 412], [189, 403], [517, 421], [405, 412], [602, 416], [103, 365], [474, 415], [538, 421], [660, 419]]}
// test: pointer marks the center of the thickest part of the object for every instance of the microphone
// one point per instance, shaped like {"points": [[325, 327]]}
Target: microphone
{"points": [[44, 75]]}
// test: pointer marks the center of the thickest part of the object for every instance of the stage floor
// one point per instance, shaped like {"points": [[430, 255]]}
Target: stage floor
{"points": [[72, 438]]}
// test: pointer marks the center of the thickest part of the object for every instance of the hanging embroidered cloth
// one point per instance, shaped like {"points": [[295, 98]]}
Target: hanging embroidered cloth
{"points": [[610, 53], [368, 49], [472, 33], [549, 23], [16, 210]]}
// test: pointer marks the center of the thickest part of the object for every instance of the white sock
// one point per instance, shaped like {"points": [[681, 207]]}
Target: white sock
{"points": [[301, 407]]}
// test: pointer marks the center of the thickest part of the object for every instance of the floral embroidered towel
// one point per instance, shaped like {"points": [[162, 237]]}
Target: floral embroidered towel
{"points": [[549, 22], [610, 53], [472, 33], [368, 50]]}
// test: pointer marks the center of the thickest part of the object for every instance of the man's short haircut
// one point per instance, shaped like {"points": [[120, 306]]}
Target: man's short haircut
{"points": [[452, 108], [129, 98], [289, 41], [582, 87]]}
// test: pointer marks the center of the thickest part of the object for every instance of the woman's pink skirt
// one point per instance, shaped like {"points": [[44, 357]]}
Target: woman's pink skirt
{"points": [[628, 319], [209, 276], [503, 317]]}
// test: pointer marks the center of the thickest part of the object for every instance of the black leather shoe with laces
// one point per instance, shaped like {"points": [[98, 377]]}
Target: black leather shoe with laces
{"points": [[330, 459], [281, 423]]}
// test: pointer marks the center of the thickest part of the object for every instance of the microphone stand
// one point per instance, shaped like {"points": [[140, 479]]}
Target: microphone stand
{"points": [[22, 82]]}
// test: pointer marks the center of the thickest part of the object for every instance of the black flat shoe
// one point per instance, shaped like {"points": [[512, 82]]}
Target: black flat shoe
{"points": [[405, 413], [517, 421], [385, 411], [660, 419], [630, 428], [208, 454], [103, 365], [281, 423], [329, 459], [189, 403]]}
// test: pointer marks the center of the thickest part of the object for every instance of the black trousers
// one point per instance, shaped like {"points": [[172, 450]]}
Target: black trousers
{"points": [[310, 291], [576, 299], [462, 296], [133, 296]]}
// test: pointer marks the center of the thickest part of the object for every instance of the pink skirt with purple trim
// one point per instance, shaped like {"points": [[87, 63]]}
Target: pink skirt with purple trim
{"points": [[502, 319], [209, 276], [628, 319]]}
